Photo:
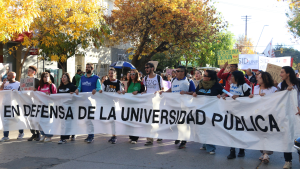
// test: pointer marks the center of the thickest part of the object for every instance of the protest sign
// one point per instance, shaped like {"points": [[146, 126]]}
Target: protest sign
{"points": [[274, 70], [27, 83], [263, 123], [279, 61], [248, 61], [230, 56]]}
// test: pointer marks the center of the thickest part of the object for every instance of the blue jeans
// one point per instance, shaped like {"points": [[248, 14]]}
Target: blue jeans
{"points": [[209, 147], [91, 136], [6, 133], [47, 135]]}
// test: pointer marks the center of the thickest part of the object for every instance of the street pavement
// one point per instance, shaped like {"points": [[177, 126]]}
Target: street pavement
{"points": [[22, 154]]}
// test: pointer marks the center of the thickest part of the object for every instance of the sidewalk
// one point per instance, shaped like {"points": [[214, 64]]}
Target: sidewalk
{"points": [[101, 154]]}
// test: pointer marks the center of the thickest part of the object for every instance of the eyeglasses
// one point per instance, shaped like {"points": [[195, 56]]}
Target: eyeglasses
{"points": [[132, 73], [179, 71], [205, 75]]}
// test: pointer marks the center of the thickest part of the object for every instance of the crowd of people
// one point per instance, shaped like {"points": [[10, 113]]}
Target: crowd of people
{"points": [[223, 83]]}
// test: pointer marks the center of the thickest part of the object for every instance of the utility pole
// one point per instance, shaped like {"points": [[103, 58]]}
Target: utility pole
{"points": [[246, 19]]}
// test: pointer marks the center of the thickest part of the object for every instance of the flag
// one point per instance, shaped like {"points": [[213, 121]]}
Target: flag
{"points": [[269, 52]]}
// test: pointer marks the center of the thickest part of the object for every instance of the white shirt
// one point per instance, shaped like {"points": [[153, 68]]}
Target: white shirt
{"points": [[11, 86], [238, 90], [265, 91], [180, 85], [152, 85]]}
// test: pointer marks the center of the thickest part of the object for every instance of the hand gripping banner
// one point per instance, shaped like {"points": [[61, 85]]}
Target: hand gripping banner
{"points": [[260, 123]]}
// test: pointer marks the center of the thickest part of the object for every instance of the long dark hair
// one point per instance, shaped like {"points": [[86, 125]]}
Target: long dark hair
{"points": [[239, 77], [212, 74], [293, 78], [42, 83], [267, 79], [68, 77]]}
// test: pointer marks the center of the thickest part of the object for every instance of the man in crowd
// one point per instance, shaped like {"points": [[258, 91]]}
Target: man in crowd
{"points": [[77, 77], [227, 76], [89, 83], [31, 72], [153, 83], [250, 76], [10, 83], [181, 84]]}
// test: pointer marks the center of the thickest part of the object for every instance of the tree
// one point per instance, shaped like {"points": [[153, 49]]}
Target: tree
{"points": [[60, 22], [244, 45], [16, 17], [294, 18], [156, 26], [287, 51]]}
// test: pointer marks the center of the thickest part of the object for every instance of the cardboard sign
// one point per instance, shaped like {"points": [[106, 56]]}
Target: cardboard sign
{"points": [[230, 56], [274, 70], [27, 84]]}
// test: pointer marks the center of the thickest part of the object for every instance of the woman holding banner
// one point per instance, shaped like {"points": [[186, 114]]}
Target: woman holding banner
{"points": [[66, 87], [112, 85], [265, 86], [135, 86], [238, 88], [208, 86], [46, 86], [289, 82]]}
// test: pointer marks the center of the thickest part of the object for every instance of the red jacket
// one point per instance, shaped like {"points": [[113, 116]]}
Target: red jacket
{"points": [[227, 76]]}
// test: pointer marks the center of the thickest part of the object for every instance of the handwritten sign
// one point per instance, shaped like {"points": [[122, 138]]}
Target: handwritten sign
{"points": [[274, 70], [27, 84], [230, 56]]}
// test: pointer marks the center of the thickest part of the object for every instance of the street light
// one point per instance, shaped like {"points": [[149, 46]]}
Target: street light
{"points": [[260, 36]]}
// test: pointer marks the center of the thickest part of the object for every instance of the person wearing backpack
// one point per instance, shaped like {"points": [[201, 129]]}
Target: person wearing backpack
{"points": [[238, 88], [153, 83], [181, 84], [46, 86]]}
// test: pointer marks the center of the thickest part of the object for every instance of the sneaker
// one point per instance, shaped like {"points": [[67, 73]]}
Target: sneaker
{"points": [[31, 138], [129, 140], [202, 148], [113, 140], [4, 139], [266, 159], [181, 146], [42, 138], [241, 153], [85, 140], [72, 138], [261, 157], [159, 140], [37, 138], [89, 140], [20, 136], [133, 142], [62, 141], [47, 139], [148, 143], [232, 154], [212, 152], [177, 141], [287, 165]]}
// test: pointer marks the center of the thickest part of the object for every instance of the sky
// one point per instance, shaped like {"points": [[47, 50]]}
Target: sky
{"points": [[262, 12]]}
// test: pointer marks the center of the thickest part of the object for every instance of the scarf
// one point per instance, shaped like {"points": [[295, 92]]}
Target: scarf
{"points": [[206, 84]]}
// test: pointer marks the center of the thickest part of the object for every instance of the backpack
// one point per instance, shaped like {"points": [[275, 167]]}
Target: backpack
{"points": [[158, 80], [74, 81], [50, 87]]}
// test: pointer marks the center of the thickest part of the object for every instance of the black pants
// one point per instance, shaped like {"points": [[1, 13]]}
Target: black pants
{"points": [[66, 137], [35, 132], [288, 156], [232, 148], [134, 138], [182, 141]]}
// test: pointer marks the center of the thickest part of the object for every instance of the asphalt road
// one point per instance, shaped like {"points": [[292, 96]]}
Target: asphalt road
{"points": [[22, 154]]}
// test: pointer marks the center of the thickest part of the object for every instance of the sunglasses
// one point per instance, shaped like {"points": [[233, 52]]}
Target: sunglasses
{"points": [[179, 71], [147, 67], [132, 73], [205, 75]]}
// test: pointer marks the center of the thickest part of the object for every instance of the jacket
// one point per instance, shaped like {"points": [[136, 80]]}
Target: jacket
{"points": [[227, 76]]}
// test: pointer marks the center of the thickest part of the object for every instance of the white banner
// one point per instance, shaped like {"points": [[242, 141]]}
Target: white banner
{"points": [[248, 61], [260, 123], [279, 61]]}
